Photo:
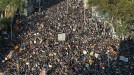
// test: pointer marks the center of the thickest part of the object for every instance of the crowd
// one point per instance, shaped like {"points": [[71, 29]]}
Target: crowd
{"points": [[89, 48]]}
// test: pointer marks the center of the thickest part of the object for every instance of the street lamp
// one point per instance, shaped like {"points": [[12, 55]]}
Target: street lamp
{"points": [[108, 60], [11, 28], [67, 6], [39, 6]]}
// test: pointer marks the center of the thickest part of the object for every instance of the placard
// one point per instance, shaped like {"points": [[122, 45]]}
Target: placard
{"points": [[61, 37]]}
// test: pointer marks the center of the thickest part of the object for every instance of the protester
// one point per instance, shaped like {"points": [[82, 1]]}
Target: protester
{"points": [[87, 49]]}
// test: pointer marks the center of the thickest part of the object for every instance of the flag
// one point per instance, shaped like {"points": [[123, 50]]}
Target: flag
{"points": [[96, 55], [20, 49], [24, 60], [92, 46], [10, 54], [90, 62], [16, 47], [18, 66], [31, 46], [1, 73], [112, 51], [50, 54], [43, 72]]}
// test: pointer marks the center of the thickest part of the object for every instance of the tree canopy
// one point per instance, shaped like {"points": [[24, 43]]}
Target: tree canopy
{"points": [[14, 3], [118, 10], [8, 6]]}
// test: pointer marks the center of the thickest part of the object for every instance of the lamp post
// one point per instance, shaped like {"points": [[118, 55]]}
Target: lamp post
{"points": [[17, 66], [84, 3], [67, 6], [39, 6], [108, 60], [43, 4], [84, 17], [11, 29]]}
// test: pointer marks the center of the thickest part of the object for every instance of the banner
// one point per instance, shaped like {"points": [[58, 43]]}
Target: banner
{"points": [[123, 58]]}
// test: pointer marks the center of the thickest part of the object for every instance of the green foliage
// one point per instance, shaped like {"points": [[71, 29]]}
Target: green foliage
{"points": [[118, 10], [93, 2], [14, 3], [3, 4]]}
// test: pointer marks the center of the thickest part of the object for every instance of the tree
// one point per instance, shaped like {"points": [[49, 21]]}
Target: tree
{"points": [[10, 4], [117, 10], [15, 3]]}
